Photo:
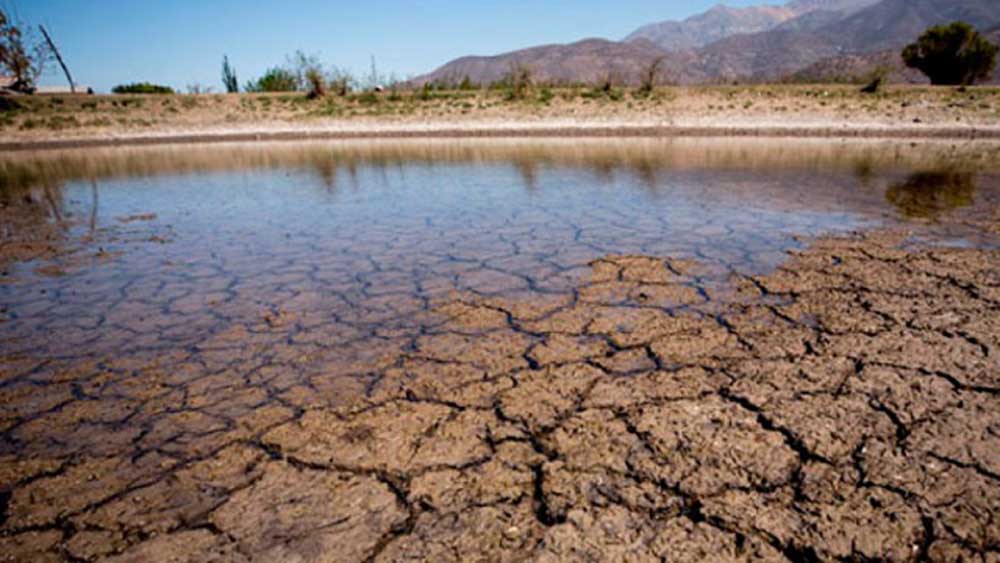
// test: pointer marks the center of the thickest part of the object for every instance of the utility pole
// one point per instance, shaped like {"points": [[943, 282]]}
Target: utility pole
{"points": [[72, 85]]}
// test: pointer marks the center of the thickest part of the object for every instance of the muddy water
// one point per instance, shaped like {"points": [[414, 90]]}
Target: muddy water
{"points": [[161, 308]]}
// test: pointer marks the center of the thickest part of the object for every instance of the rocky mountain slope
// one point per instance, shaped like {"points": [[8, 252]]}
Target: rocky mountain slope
{"points": [[890, 24], [586, 61], [722, 21], [799, 35]]}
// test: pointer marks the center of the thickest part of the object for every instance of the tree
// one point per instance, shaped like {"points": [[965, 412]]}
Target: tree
{"points": [[301, 65], [22, 54], [954, 54], [229, 80], [649, 76]]}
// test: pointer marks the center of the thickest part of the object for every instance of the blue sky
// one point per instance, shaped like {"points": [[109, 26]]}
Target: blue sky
{"points": [[180, 42]]}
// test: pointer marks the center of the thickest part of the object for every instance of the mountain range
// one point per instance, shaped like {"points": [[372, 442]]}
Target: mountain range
{"points": [[800, 39]]}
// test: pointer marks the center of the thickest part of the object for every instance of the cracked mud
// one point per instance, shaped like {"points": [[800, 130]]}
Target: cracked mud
{"points": [[510, 396]]}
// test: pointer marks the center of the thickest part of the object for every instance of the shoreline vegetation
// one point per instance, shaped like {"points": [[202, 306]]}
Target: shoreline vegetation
{"points": [[753, 110]]}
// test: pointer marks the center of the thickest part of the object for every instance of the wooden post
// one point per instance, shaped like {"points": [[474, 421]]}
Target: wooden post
{"points": [[72, 85]]}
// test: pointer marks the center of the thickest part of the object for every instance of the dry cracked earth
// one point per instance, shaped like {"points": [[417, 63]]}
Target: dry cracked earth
{"points": [[500, 395], [846, 406]]}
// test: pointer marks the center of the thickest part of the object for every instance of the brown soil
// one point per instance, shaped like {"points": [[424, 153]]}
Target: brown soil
{"points": [[846, 406], [760, 110]]}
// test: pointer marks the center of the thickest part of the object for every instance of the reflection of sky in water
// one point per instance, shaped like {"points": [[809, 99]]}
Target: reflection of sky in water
{"points": [[681, 212], [378, 242]]}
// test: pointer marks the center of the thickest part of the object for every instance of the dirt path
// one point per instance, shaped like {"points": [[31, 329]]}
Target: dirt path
{"points": [[846, 406]]}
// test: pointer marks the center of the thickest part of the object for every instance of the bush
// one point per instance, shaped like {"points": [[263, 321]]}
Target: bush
{"points": [[276, 79], [368, 98], [467, 84], [142, 88], [317, 83], [340, 81], [605, 88], [518, 82], [953, 54]]}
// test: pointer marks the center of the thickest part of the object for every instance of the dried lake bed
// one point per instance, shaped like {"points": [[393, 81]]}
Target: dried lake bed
{"points": [[460, 349]]}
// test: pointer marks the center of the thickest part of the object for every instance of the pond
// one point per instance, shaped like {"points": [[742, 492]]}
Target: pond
{"points": [[167, 248], [322, 258]]}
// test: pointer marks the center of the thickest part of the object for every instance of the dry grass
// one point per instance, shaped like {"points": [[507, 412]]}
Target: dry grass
{"points": [[75, 116]]}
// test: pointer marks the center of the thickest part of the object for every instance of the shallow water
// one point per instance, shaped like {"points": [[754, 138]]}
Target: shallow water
{"points": [[319, 259]]}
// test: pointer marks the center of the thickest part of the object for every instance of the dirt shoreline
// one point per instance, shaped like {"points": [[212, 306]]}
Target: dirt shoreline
{"points": [[510, 130], [826, 111]]}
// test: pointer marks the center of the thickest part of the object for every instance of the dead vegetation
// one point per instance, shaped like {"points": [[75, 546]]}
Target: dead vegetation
{"points": [[32, 117]]}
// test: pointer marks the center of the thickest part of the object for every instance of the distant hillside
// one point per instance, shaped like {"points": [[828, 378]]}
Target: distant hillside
{"points": [[718, 23], [585, 61], [815, 37]]}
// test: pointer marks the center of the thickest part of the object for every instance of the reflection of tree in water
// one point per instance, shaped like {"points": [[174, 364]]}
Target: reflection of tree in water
{"points": [[528, 169], [33, 223], [326, 169], [926, 195]]}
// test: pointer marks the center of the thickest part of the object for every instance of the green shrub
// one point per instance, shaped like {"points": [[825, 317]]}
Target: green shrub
{"points": [[368, 98], [276, 79], [467, 84], [142, 88], [953, 54], [518, 82]]}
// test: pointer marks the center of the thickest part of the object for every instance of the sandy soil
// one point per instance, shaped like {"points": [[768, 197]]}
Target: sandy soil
{"points": [[827, 111], [846, 406]]}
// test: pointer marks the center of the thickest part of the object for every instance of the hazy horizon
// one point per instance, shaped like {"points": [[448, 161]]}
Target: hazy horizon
{"points": [[182, 42]]}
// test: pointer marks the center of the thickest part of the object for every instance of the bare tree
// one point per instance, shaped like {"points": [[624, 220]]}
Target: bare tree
{"points": [[62, 63], [22, 54], [650, 76]]}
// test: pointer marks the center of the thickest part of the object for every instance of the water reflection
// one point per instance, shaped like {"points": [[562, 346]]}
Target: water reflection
{"points": [[928, 195], [645, 159], [610, 184]]}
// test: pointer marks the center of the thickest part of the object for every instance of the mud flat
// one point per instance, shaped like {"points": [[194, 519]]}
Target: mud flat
{"points": [[496, 383], [846, 406]]}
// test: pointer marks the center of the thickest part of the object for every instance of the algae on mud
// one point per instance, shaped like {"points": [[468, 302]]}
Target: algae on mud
{"points": [[588, 354]]}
